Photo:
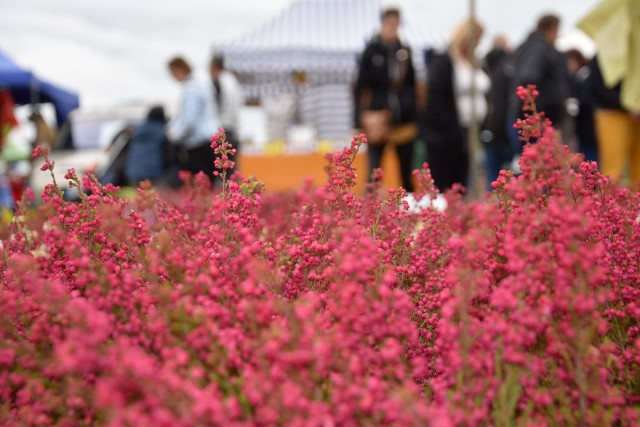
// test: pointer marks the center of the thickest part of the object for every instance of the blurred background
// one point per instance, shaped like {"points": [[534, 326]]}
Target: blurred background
{"points": [[106, 63], [114, 52]]}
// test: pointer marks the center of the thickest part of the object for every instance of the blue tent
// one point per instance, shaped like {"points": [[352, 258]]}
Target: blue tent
{"points": [[26, 88]]}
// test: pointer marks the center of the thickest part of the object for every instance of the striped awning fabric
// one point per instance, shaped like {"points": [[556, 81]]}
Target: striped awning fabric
{"points": [[315, 35], [323, 39]]}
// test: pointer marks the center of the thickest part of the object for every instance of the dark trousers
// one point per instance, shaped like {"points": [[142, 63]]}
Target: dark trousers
{"points": [[450, 164], [499, 155], [590, 153], [405, 156], [232, 138], [200, 159]]}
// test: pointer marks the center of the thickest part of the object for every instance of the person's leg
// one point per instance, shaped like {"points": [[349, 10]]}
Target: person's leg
{"points": [[494, 162], [612, 132], [513, 135], [590, 154], [438, 166], [504, 152], [460, 165], [634, 139], [460, 162], [567, 133], [200, 159], [190, 161], [375, 157], [232, 139], [405, 157]]}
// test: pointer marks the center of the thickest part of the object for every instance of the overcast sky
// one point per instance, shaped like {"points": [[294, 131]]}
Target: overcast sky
{"points": [[115, 51]]}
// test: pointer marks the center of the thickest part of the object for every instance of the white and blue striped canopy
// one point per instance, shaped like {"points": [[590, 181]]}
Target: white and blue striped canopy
{"points": [[322, 39], [316, 35]]}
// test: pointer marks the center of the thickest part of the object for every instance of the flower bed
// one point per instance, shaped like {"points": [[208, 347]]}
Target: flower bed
{"points": [[322, 307]]}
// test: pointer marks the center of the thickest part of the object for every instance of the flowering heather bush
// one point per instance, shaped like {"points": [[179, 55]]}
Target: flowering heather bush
{"points": [[539, 324], [323, 307]]}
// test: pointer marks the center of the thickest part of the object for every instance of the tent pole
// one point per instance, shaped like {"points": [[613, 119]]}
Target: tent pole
{"points": [[473, 137], [34, 98]]}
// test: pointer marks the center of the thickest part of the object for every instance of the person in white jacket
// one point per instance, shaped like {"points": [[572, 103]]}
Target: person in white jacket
{"points": [[229, 98], [196, 121]]}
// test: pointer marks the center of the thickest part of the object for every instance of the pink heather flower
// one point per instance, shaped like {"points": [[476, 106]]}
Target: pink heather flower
{"points": [[39, 151], [70, 173], [326, 307], [28, 194], [7, 357]]}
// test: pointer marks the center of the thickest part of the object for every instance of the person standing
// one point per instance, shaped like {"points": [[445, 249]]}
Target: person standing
{"points": [[196, 121], [450, 105], [581, 107], [385, 97], [229, 99], [538, 62], [617, 128], [497, 127]]}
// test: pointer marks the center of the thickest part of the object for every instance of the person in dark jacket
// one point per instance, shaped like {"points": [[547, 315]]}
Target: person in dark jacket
{"points": [[581, 107], [448, 112], [146, 155], [538, 62], [386, 81], [497, 127]]}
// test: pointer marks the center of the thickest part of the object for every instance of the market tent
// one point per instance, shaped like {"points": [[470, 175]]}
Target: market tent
{"points": [[309, 35], [26, 88], [322, 39]]}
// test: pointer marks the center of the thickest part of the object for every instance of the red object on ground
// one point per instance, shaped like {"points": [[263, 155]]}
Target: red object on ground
{"points": [[6, 113], [17, 186]]}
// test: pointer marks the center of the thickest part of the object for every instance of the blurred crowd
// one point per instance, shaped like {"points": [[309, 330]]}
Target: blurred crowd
{"points": [[464, 97], [157, 149], [435, 117], [468, 94]]}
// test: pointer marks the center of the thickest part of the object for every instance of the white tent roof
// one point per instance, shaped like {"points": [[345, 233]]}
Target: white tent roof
{"points": [[316, 35], [323, 39], [320, 25]]}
